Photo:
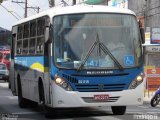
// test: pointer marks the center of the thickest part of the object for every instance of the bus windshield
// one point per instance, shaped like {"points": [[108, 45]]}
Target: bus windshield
{"points": [[96, 41]]}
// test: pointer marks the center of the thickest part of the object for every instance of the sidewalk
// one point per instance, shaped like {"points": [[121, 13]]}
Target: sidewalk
{"points": [[147, 99]]}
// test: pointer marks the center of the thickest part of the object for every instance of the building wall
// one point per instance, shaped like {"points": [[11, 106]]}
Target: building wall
{"points": [[5, 37], [150, 9]]}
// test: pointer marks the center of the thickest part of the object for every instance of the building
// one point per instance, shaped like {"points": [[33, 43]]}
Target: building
{"points": [[73, 2], [5, 36], [149, 9]]}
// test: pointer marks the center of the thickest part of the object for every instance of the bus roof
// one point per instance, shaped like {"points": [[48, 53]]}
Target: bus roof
{"points": [[77, 9]]}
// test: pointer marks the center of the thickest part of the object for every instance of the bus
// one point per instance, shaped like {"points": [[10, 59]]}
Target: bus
{"points": [[66, 58]]}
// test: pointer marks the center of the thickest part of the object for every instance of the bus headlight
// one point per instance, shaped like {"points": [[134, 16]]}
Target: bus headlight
{"points": [[62, 83], [136, 82]]}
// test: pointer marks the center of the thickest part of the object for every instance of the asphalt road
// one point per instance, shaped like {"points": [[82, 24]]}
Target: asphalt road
{"points": [[9, 110]]}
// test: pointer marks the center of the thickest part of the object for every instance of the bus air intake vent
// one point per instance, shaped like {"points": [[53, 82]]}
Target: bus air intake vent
{"points": [[91, 99], [70, 79], [100, 87]]}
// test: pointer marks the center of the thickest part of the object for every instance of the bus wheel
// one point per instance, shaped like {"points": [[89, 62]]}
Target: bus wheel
{"points": [[32, 104], [21, 101], [9, 85], [118, 110]]}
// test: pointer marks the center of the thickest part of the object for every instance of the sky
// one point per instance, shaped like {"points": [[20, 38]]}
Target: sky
{"points": [[7, 20]]}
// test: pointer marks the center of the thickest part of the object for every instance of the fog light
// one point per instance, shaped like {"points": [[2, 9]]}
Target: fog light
{"points": [[64, 85]]}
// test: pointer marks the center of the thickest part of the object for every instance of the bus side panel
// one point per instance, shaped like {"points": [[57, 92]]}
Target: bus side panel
{"points": [[30, 70]]}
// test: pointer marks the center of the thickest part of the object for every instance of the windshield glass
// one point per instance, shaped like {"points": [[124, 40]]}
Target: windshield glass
{"points": [[96, 41], [7, 57], [2, 67]]}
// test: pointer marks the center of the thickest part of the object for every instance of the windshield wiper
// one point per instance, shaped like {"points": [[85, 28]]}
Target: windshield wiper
{"points": [[87, 55], [105, 50]]}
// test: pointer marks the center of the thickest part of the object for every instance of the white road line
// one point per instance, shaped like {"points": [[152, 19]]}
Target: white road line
{"points": [[22, 113], [143, 106]]}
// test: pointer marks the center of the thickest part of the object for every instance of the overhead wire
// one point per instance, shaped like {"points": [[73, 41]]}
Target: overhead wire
{"points": [[9, 12]]}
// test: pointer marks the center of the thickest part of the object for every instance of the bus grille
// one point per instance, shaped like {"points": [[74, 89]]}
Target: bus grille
{"points": [[70, 79], [100, 87], [94, 87], [91, 100]]}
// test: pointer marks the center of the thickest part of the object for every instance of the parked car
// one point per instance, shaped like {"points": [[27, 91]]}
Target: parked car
{"points": [[4, 73]]}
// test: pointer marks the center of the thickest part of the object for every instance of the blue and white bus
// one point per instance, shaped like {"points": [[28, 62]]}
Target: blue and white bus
{"points": [[78, 56]]}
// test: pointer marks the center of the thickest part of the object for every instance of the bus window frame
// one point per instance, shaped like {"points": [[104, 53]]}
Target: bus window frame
{"points": [[45, 18]]}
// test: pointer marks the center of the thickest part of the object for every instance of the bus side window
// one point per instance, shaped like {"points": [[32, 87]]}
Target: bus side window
{"points": [[40, 36], [32, 46], [32, 41], [19, 40], [40, 45], [19, 47]]}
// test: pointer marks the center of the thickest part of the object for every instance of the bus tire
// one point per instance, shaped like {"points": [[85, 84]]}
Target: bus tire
{"points": [[9, 85], [21, 101], [32, 104], [118, 110]]}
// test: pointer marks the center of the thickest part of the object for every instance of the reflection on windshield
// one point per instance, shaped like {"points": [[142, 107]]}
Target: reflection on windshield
{"points": [[74, 36], [2, 67], [7, 57]]}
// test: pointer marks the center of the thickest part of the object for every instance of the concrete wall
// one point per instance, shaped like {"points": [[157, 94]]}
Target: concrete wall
{"points": [[150, 9]]}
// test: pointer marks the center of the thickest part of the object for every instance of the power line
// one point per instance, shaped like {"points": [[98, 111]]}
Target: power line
{"points": [[10, 12]]}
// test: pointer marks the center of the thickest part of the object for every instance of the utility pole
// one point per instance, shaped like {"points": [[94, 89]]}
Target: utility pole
{"points": [[26, 7], [25, 13], [74, 2], [51, 3], [1, 1]]}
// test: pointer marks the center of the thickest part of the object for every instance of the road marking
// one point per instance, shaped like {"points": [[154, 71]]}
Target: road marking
{"points": [[143, 107], [10, 97], [22, 113]]}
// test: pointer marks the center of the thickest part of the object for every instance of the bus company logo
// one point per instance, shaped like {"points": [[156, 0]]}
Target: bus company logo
{"points": [[100, 87], [99, 72]]}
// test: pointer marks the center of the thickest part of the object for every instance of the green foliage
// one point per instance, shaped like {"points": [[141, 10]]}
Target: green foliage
{"points": [[1, 1]]}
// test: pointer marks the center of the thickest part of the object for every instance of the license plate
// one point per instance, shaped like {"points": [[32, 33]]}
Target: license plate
{"points": [[101, 97]]}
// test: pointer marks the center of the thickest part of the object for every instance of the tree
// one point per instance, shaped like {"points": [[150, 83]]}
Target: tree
{"points": [[1, 1]]}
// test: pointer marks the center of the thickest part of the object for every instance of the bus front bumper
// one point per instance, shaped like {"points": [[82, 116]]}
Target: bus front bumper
{"points": [[69, 99]]}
